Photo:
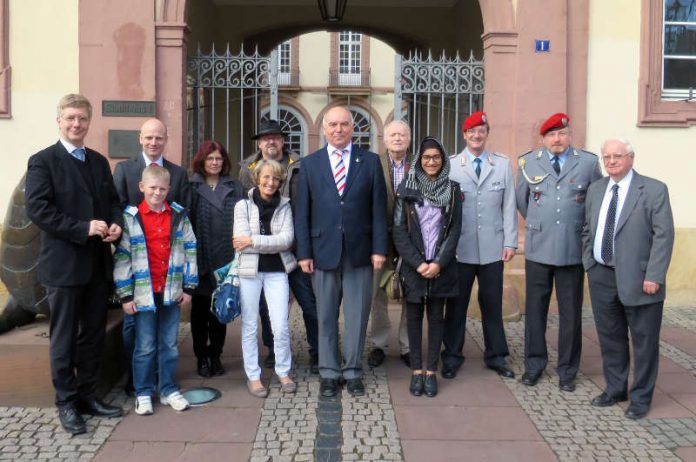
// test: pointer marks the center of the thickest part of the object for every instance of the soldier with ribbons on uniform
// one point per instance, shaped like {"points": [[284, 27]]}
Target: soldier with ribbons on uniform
{"points": [[551, 186], [488, 239]]}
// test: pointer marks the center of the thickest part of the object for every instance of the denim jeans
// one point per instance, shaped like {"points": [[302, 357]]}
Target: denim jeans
{"points": [[301, 286], [275, 287], [128, 337], [156, 335]]}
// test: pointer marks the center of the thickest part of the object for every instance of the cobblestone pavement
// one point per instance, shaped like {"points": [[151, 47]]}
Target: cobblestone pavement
{"points": [[302, 427]]}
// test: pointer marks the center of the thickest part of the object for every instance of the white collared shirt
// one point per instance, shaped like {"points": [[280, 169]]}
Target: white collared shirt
{"points": [[334, 159], [601, 221], [159, 161], [71, 147]]}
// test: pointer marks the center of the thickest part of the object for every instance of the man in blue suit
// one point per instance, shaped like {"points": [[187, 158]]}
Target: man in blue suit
{"points": [[341, 232]]}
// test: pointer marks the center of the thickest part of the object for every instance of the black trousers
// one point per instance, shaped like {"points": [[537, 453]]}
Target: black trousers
{"points": [[77, 328], [614, 321], [208, 334], [490, 298], [569, 285], [414, 324]]}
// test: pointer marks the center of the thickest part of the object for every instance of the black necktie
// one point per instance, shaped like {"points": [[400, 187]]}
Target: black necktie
{"points": [[608, 238], [477, 169], [556, 165]]}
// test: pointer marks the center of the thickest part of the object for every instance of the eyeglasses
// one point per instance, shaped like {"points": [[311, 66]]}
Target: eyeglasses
{"points": [[214, 159], [431, 159], [477, 131], [608, 158]]}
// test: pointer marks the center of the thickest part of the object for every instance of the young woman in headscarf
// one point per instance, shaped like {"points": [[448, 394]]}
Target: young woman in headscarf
{"points": [[427, 222]]}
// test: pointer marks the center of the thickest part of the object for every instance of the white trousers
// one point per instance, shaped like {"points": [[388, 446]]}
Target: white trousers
{"points": [[276, 291]]}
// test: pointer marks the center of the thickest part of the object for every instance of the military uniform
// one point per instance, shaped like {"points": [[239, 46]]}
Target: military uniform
{"points": [[489, 223], [553, 205]]}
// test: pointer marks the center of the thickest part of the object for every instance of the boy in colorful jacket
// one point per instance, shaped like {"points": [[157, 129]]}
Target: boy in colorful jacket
{"points": [[155, 271]]}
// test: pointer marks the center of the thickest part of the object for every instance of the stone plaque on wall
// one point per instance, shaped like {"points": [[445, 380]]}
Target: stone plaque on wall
{"points": [[124, 144]]}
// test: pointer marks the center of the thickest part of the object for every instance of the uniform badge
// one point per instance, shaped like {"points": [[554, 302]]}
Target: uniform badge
{"points": [[580, 198], [536, 195]]}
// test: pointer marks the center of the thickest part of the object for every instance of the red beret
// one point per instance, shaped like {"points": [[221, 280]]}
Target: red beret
{"points": [[555, 122], [474, 120]]}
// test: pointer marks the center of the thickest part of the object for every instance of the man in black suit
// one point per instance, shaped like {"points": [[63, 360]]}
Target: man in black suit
{"points": [[153, 138], [70, 196], [627, 246], [341, 231]]}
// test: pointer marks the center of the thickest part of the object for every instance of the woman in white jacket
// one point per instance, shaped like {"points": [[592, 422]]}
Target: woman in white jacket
{"points": [[263, 233]]}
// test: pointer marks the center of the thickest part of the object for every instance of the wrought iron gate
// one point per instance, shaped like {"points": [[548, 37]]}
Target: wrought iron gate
{"points": [[436, 95], [224, 91]]}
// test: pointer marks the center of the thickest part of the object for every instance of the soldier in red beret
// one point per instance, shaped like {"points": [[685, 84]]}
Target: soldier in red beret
{"points": [[488, 239], [551, 187]]}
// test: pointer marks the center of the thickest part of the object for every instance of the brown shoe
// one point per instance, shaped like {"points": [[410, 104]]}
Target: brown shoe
{"points": [[257, 390], [287, 385]]}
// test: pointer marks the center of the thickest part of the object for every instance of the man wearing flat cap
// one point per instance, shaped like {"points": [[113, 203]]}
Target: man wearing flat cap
{"points": [[551, 187], [488, 239], [270, 141]]}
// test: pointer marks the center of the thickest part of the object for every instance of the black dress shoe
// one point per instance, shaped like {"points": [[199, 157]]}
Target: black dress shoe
{"points": [[98, 408], [314, 364], [71, 421], [417, 384], [406, 359], [567, 385], [216, 366], [637, 411], [530, 378], [430, 385], [203, 367], [605, 400], [355, 387], [449, 372], [328, 388], [503, 371], [269, 361], [376, 357]]}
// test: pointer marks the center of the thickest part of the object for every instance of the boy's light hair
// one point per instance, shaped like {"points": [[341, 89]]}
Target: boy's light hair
{"points": [[155, 172], [74, 100]]}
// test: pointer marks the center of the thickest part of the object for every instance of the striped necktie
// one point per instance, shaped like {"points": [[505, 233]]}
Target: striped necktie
{"points": [[340, 172], [607, 251]]}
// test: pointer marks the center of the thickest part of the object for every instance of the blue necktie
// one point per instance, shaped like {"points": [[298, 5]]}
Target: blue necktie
{"points": [[608, 237], [79, 154], [477, 169]]}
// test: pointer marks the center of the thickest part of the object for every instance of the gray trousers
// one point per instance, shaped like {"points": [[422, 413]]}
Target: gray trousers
{"points": [[330, 287], [380, 325]]}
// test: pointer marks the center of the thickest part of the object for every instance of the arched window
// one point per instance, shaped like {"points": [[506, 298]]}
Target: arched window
{"points": [[294, 127], [362, 128]]}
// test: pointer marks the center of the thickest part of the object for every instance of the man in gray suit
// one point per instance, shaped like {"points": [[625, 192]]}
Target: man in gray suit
{"points": [[627, 246], [153, 139], [551, 187], [488, 239]]}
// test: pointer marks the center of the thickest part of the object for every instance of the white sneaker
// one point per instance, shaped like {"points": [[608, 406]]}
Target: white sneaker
{"points": [[143, 405], [176, 400]]}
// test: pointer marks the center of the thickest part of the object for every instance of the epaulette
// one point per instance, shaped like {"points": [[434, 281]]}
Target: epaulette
{"points": [[131, 210], [453, 156], [588, 152], [500, 155], [521, 161]]}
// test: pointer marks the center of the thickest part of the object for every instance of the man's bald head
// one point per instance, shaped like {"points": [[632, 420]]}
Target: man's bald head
{"points": [[153, 138], [338, 127]]}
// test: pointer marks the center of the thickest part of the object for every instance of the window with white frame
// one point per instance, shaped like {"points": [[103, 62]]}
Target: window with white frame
{"points": [[292, 124], [362, 128], [284, 63], [349, 58], [679, 50]]}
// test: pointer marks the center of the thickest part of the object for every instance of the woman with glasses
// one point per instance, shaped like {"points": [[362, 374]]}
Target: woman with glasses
{"points": [[212, 214], [427, 222]]}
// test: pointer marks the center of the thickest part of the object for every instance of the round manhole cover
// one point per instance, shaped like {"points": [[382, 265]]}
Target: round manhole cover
{"points": [[201, 395]]}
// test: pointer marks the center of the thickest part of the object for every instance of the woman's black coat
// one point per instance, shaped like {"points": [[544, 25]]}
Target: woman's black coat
{"points": [[409, 244]]}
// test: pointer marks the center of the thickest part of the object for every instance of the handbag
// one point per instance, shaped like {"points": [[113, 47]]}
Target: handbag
{"points": [[391, 282], [226, 303]]}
